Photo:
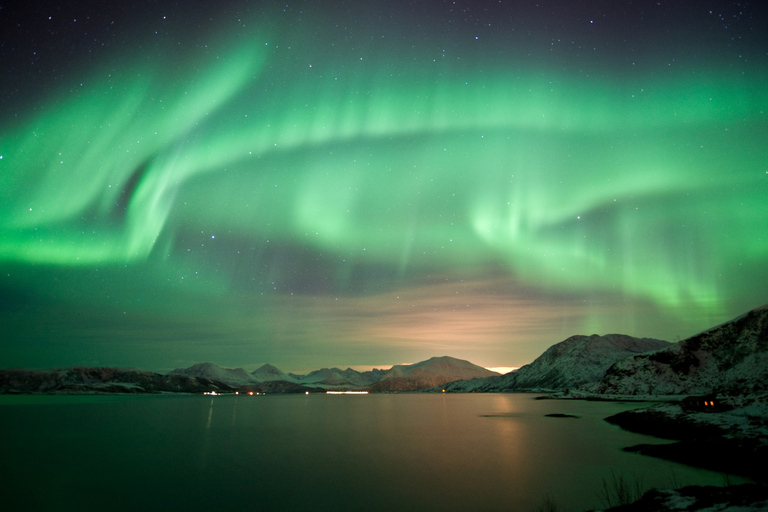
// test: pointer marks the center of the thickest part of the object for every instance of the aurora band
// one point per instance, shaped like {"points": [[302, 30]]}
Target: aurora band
{"points": [[572, 183]]}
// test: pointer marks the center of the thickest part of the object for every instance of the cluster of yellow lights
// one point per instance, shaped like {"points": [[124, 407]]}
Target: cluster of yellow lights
{"points": [[236, 392]]}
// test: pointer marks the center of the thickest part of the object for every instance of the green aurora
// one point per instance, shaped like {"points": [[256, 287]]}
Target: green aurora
{"points": [[245, 207]]}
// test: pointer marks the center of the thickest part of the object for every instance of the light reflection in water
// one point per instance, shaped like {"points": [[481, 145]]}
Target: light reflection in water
{"points": [[210, 416]]}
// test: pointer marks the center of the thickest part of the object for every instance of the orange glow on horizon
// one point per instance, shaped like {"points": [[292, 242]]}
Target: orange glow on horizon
{"points": [[503, 369]]}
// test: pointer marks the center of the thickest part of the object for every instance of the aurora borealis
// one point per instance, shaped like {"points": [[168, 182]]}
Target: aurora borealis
{"points": [[376, 183]]}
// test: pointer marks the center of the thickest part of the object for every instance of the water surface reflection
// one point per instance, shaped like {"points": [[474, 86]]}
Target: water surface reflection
{"points": [[403, 452]]}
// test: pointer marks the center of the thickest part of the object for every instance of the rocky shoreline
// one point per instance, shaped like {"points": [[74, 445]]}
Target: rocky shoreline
{"points": [[732, 441], [735, 498], [731, 437]]}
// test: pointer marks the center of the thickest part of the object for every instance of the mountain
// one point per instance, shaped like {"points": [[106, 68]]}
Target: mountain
{"points": [[233, 377], [269, 373], [83, 380], [336, 378], [431, 373], [731, 358], [571, 363]]}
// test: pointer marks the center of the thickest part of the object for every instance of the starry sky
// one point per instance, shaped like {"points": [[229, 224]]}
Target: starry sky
{"points": [[312, 183]]}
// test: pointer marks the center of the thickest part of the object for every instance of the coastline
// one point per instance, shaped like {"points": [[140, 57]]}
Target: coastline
{"points": [[732, 440]]}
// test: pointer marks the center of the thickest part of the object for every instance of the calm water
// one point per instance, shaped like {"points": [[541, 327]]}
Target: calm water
{"points": [[316, 452]]}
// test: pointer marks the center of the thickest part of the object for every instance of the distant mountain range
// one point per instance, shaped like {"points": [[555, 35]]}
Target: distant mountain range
{"points": [[325, 378], [729, 358], [207, 377], [334, 378], [426, 374], [235, 378]]}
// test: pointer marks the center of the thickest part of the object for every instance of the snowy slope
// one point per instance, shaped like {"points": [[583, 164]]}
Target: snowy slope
{"points": [[233, 377], [268, 373], [571, 363], [337, 378], [729, 358], [431, 373]]}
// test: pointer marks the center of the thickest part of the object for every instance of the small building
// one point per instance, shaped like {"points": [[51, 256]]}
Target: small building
{"points": [[706, 403]]}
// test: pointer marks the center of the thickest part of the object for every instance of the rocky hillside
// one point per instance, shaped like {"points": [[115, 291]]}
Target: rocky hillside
{"points": [[731, 358], [571, 363], [431, 373], [103, 380]]}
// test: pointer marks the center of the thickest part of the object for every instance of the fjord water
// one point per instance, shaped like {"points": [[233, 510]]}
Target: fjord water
{"points": [[317, 452]]}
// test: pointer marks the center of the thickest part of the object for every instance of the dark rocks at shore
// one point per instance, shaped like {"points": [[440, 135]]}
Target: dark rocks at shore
{"points": [[658, 423], [746, 497], [737, 457], [698, 443]]}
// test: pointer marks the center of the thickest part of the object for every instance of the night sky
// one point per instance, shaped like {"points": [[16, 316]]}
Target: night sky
{"points": [[363, 184]]}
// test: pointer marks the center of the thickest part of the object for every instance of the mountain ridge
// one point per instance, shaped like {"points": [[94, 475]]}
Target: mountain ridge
{"points": [[573, 362], [209, 377], [729, 358]]}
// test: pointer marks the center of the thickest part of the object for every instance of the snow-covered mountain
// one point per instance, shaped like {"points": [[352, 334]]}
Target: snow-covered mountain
{"points": [[233, 377], [271, 379], [431, 373], [571, 363], [336, 378], [729, 358], [268, 373]]}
